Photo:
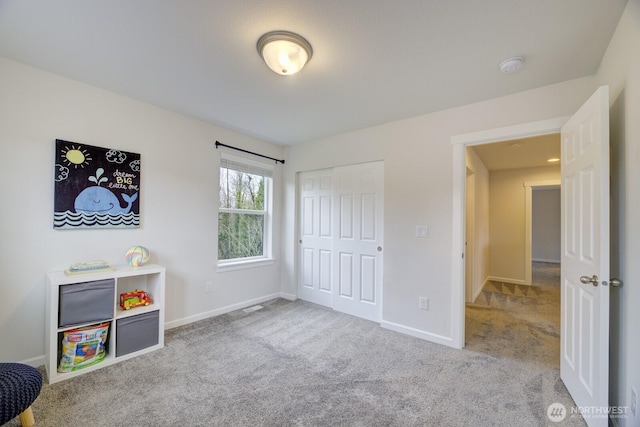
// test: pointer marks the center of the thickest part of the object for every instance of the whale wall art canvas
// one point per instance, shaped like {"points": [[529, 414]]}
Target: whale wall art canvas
{"points": [[95, 187]]}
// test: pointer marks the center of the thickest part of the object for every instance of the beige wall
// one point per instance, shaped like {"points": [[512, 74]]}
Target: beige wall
{"points": [[178, 197], [38, 107], [620, 69], [545, 225], [507, 219], [418, 160]]}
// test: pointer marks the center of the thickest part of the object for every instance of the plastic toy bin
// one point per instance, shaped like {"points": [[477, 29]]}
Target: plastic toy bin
{"points": [[86, 302], [137, 332]]}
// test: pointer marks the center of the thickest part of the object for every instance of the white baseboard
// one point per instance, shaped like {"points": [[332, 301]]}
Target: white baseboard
{"points": [[417, 333], [224, 310], [507, 280], [479, 291], [290, 297], [34, 361], [550, 261]]}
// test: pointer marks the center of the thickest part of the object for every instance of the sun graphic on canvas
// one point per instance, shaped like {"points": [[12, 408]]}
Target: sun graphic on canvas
{"points": [[76, 156]]}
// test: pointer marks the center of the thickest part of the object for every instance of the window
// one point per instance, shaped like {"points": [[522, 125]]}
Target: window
{"points": [[244, 220]]}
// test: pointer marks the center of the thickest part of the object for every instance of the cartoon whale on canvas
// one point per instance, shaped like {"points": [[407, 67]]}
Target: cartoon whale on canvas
{"points": [[97, 199], [100, 200]]}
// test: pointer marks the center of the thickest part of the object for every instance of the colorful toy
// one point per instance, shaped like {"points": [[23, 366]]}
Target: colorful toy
{"points": [[83, 347], [137, 256], [134, 299]]}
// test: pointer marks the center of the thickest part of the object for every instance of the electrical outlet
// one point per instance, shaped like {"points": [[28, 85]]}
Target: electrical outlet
{"points": [[634, 401], [423, 303], [208, 286]]}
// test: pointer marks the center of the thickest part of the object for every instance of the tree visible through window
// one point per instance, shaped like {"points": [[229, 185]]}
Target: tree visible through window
{"points": [[242, 216]]}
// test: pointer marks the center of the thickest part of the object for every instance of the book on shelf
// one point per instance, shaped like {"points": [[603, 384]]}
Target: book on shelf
{"points": [[88, 267]]}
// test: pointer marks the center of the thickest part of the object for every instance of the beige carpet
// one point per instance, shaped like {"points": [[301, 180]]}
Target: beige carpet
{"points": [[518, 321], [298, 364]]}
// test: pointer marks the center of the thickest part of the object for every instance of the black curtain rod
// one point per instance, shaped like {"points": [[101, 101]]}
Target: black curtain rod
{"points": [[220, 144]]}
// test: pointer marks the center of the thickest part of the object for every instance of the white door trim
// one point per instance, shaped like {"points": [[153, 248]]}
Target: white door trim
{"points": [[460, 142], [470, 242]]}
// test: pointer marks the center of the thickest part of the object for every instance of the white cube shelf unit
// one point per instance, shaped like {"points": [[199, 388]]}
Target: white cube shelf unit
{"points": [[137, 337]]}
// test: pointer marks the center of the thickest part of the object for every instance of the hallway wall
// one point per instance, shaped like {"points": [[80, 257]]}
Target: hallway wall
{"points": [[507, 220], [620, 69], [545, 225]]}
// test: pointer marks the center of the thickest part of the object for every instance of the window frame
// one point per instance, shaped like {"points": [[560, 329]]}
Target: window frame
{"points": [[253, 167]]}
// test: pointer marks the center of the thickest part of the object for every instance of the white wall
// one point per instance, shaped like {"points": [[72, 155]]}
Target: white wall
{"points": [[418, 160], [620, 69], [481, 235], [545, 225], [507, 219], [178, 199]]}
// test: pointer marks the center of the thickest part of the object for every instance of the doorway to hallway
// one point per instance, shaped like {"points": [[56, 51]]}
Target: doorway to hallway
{"points": [[513, 302]]}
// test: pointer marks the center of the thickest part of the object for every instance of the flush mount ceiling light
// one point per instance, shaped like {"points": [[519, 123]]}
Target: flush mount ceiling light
{"points": [[284, 52], [511, 65]]}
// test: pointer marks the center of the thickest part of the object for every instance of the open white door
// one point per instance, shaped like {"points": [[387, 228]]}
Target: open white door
{"points": [[584, 335]]}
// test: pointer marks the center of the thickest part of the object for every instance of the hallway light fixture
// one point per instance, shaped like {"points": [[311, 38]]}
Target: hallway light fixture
{"points": [[284, 52]]}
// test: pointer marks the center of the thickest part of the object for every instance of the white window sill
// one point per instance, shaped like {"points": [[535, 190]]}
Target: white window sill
{"points": [[242, 264]]}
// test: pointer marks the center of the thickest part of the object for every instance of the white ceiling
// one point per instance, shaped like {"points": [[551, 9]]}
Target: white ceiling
{"points": [[520, 153], [374, 61]]}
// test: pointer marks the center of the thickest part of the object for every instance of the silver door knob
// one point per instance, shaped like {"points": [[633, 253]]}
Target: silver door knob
{"points": [[613, 282], [379, 248], [586, 279]]}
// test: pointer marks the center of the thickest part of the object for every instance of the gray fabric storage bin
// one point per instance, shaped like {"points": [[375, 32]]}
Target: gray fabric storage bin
{"points": [[137, 332], [86, 302]]}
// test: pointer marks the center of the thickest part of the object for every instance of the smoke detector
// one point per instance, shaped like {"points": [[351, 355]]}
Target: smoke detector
{"points": [[511, 65]]}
